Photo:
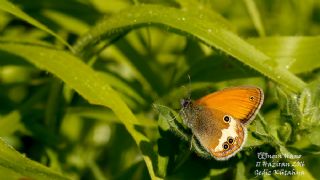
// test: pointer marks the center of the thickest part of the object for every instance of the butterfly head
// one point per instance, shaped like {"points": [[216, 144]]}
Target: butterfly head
{"points": [[185, 103], [189, 112]]}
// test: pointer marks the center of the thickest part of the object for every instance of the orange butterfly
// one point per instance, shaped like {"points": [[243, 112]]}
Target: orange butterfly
{"points": [[218, 120]]}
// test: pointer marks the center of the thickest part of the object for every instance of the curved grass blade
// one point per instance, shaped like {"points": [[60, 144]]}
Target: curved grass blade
{"points": [[188, 23], [204, 10], [12, 9], [13, 160], [255, 16], [298, 54], [10, 123], [87, 83], [68, 22]]}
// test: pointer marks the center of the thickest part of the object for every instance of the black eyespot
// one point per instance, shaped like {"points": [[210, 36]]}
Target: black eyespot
{"points": [[230, 140], [226, 119], [251, 98], [225, 146]]}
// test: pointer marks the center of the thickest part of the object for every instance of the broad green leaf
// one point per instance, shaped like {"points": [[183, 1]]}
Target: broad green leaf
{"points": [[108, 116], [10, 123], [216, 172], [241, 169], [104, 7], [190, 24], [205, 11], [4, 19], [12, 160], [122, 86], [87, 83], [306, 174], [12, 9], [297, 54]]}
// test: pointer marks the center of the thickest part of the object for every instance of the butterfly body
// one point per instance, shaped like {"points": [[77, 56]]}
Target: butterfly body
{"points": [[218, 120]]}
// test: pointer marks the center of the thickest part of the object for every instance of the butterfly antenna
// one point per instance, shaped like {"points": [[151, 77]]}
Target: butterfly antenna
{"points": [[189, 87]]}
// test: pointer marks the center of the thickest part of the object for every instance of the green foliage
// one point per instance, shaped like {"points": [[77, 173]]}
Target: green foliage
{"points": [[91, 89]]}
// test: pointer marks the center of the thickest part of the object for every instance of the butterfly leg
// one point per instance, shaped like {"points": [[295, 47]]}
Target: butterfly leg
{"points": [[192, 142]]}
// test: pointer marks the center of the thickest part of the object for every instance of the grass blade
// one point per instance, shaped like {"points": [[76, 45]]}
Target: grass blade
{"points": [[12, 9], [13, 160], [298, 54], [255, 16], [190, 24], [87, 83]]}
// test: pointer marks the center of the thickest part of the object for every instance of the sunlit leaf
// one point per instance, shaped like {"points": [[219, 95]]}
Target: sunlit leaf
{"points": [[14, 161]]}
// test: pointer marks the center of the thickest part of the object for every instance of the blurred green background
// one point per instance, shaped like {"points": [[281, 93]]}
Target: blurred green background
{"points": [[81, 82]]}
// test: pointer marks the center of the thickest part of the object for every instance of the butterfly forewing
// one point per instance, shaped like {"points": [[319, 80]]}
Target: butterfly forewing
{"points": [[241, 103]]}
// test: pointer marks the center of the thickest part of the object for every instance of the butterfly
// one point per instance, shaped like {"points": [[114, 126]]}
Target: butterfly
{"points": [[218, 120]]}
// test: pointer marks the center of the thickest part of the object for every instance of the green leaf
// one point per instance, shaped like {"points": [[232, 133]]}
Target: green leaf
{"points": [[70, 23], [205, 11], [188, 23], [255, 16], [87, 83], [12, 9], [13, 160], [297, 54], [241, 169], [168, 118], [10, 123], [306, 175]]}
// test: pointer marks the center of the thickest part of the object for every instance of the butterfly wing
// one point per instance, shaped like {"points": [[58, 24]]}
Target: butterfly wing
{"points": [[214, 133], [242, 103], [221, 116]]}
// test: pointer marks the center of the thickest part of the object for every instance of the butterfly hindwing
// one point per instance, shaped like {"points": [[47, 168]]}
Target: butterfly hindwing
{"points": [[214, 133]]}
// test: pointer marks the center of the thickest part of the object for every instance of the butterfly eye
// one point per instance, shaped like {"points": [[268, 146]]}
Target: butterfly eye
{"points": [[230, 140], [226, 119], [251, 98], [185, 102], [225, 146]]}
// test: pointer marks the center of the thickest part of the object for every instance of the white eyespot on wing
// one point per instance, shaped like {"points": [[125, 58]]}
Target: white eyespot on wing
{"points": [[231, 131]]}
